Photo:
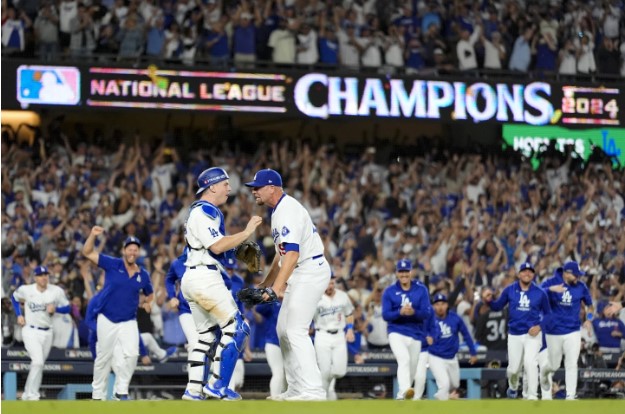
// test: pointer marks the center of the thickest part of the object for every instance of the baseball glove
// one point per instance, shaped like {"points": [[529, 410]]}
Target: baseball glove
{"points": [[249, 253], [254, 296]]}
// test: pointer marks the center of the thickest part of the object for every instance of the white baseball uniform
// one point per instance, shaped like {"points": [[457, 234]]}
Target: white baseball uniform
{"points": [[203, 287], [37, 332], [330, 343], [291, 224]]}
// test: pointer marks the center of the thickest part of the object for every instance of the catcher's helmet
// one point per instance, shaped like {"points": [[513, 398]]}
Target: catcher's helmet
{"points": [[210, 177]]}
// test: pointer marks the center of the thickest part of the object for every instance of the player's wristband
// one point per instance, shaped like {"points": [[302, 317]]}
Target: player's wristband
{"points": [[589, 316], [349, 326]]}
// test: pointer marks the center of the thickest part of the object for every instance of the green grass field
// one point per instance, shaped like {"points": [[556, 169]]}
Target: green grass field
{"points": [[342, 407]]}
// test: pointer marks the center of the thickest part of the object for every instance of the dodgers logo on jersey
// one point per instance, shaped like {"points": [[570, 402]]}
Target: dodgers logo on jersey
{"points": [[524, 302], [37, 307], [285, 231], [566, 298], [139, 279], [405, 300], [445, 329]]}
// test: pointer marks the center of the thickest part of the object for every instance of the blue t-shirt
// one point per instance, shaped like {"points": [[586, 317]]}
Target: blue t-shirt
{"points": [[546, 59], [219, 49], [527, 308], [604, 327], [328, 51], [120, 295], [394, 298], [245, 39], [566, 305], [448, 343], [270, 312]]}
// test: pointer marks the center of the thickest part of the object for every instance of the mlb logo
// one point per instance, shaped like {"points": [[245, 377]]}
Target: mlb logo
{"points": [[48, 85]]}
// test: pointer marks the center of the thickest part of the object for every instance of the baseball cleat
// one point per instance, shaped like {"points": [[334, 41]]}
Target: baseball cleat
{"points": [[120, 397], [279, 397], [189, 396], [231, 395], [211, 392]]}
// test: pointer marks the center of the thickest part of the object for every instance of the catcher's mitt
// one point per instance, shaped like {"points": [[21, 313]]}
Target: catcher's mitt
{"points": [[249, 253], [254, 296]]}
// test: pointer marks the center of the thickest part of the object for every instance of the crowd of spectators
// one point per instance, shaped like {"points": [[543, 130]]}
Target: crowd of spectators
{"points": [[466, 220], [568, 37]]}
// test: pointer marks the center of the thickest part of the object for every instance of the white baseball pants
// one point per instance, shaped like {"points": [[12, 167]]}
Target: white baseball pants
{"points": [[420, 377], [37, 343], [331, 352], [119, 340], [277, 385], [304, 290], [569, 346], [406, 351], [446, 374], [523, 354]]}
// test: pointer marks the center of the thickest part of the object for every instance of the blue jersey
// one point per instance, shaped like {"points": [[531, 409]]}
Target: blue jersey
{"points": [[448, 343], [120, 294], [392, 301], [236, 284], [604, 327], [174, 274], [566, 305], [527, 308], [270, 312]]}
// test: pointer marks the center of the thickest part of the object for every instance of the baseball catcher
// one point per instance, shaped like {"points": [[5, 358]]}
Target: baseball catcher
{"points": [[249, 253], [254, 296]]}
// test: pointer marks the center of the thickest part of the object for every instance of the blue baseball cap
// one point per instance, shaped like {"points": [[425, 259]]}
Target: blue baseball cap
{"points": [[231, 263], [526, 266], [41, 270], [404, 265], [439, 297], [266, 177], [573, 267], [132, 240]]}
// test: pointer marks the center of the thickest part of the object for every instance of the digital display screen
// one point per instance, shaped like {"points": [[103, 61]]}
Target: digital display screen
{"points": [[532, 140], [318, 95], [188, 90]]}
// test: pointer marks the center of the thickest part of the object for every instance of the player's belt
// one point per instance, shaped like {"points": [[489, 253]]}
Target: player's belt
{"points": [[331, 331], [40, 328], [319, 256], [210, 267]]}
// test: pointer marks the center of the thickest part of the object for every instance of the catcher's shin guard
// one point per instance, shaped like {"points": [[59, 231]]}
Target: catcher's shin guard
{"points": [[234, 335], [198, 359]]}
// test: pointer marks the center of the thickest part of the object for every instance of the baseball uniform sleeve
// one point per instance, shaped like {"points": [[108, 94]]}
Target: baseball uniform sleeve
{"points": [[170, 280], [502, 301], [587, 298], [388, 313], [147, 284], [467, 336], [424, 308], [15, 300]]}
